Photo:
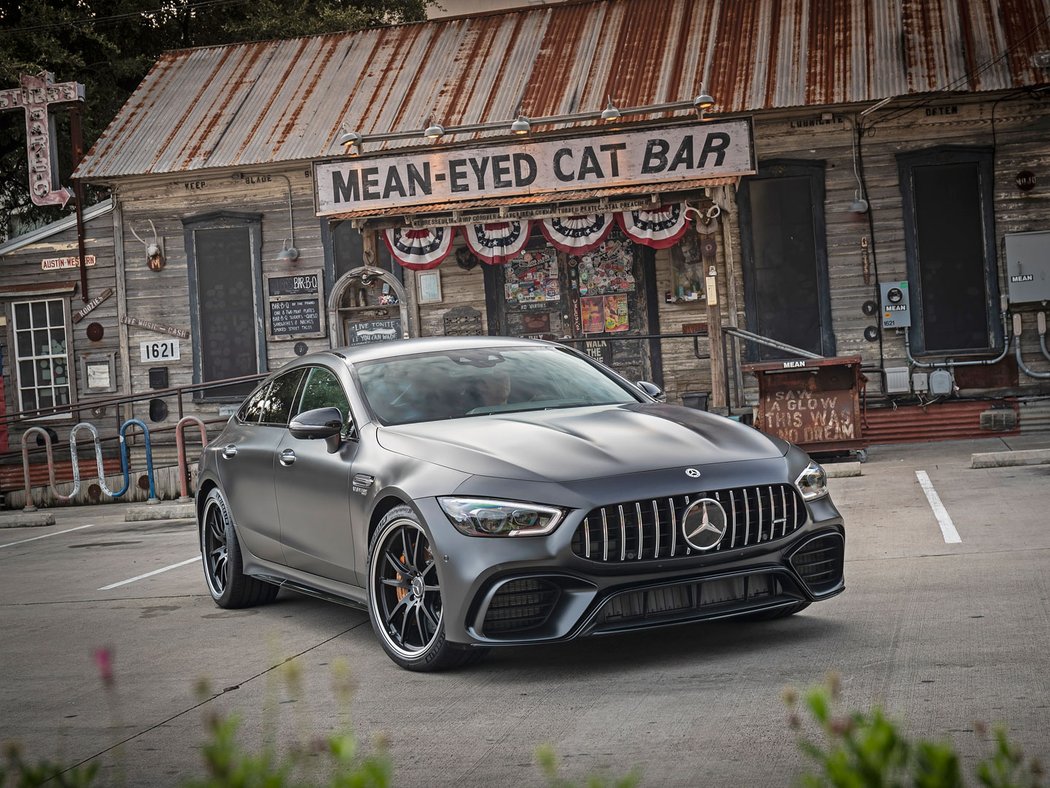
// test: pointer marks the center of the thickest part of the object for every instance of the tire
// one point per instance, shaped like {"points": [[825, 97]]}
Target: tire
{"points": [[221, 556], [780, 612], [404, 597]]}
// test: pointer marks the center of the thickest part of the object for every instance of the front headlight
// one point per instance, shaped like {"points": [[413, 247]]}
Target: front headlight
{"points": [[812, 482], [482, 517]]}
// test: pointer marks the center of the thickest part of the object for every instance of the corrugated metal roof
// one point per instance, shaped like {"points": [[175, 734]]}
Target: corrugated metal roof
{"points": [[289, 100], [43, 233]]}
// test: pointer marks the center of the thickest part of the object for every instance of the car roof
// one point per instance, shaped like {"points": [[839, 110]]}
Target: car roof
{"points": [[408, 347]]}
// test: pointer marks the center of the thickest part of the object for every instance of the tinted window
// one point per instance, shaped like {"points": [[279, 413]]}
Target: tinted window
{"points": [[323, 390], [277, 405], [251, 410], [477, 382]]}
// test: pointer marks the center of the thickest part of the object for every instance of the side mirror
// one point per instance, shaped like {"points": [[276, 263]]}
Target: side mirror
{"points": [[321, 423], [652, 390]]}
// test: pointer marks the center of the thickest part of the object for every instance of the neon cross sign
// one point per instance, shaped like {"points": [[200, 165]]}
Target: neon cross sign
{"points": [[37, 95]]}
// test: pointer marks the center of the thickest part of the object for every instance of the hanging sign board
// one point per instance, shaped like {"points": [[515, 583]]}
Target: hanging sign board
{"points": [[60, 263], [704, 150], [295, 305]]}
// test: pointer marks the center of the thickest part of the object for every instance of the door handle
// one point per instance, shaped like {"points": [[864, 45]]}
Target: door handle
{"points": [[229, 452], [287, 457]]}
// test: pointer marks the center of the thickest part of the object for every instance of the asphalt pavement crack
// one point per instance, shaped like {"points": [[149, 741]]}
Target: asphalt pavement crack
{"points": [[213, 697]]}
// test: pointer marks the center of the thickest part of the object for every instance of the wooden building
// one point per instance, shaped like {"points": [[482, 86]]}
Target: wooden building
{"points": [[851, 147]]}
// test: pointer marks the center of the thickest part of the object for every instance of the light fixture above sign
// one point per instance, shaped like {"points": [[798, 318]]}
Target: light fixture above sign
{"points": [[352, 142]]}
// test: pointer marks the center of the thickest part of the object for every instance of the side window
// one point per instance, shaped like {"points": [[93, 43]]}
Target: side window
{"points": [[41, 354], [277, 405], [252, 409], [323, 390]]}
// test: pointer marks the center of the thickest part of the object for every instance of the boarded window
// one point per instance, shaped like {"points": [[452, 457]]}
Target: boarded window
{"points": [[785, 259], [225, 289], [951, 260]]}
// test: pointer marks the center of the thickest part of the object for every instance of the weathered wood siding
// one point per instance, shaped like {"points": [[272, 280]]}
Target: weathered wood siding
{"points": [[22, 268]]}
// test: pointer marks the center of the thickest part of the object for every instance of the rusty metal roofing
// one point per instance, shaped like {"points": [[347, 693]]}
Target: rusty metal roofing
{"points": [[289, 100]]}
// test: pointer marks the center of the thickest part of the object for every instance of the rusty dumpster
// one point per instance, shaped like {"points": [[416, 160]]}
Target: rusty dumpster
{"points": [[814, 403]]}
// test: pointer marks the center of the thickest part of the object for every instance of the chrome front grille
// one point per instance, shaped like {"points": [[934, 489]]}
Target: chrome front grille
{"points": [[651, 529]]}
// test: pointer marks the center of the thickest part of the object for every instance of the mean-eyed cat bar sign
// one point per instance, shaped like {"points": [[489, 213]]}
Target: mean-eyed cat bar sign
{"points": [[704, 150]]}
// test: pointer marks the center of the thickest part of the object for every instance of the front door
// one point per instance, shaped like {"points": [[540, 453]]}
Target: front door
{"points": [[595, 301], [313, 489]]}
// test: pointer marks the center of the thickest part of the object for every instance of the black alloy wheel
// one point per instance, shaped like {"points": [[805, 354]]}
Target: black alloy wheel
{"points": [[404, 600], [221, 556]]}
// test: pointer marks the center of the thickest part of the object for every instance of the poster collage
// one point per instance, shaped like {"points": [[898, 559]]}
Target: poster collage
{"points": [[602, 276]]}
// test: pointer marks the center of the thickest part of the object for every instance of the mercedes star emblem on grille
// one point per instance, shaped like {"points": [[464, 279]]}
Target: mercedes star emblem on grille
{"points": [[692, 473], [704, 523]]}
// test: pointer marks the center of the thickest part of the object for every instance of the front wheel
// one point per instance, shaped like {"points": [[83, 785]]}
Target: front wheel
{"points": [[404, 597]]}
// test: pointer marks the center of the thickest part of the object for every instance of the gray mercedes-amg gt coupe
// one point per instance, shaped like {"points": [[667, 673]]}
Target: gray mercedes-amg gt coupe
{"points": [[487, 491]]}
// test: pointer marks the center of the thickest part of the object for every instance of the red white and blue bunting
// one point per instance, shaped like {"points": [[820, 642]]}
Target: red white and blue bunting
{"points": [[419, 248], [578, 234], [659, 228], [497, 242]]}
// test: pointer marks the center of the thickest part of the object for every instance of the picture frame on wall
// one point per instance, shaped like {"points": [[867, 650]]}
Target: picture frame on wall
{"points": [[428, 287]]}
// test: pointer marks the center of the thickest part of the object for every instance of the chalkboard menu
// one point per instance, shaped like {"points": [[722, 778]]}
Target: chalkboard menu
{"points": [[295, 305], [369, 331]]}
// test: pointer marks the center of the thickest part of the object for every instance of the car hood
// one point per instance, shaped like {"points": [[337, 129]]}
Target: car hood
{"points": [[580, 443]]}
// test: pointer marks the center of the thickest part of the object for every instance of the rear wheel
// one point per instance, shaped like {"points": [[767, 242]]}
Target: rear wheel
{"points": [[221, 554], [404, 597]]}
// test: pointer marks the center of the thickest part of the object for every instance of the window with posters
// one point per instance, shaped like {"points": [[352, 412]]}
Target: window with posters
{"points": [[594, 301]]}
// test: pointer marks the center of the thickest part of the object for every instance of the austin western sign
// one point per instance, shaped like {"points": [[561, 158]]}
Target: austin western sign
{"points": [[704, 150]]}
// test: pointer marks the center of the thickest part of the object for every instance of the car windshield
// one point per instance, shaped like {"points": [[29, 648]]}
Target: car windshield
{"points": [[482, 381]]}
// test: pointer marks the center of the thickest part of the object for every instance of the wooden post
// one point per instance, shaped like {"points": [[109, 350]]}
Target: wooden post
{"points": [[714, 334], [368, 246]]}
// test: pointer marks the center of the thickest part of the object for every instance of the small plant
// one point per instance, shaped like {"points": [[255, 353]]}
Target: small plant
{"points": [[19, 772], [547, 760], [868, 749]]}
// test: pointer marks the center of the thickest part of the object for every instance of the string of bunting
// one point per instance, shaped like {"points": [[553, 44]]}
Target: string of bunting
{"points": [[495, 243]]}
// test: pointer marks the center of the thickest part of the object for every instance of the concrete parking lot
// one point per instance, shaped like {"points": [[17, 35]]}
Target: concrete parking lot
{"points": [[944, 626]]}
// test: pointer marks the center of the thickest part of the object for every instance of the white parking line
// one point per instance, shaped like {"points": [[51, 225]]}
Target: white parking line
{"points": [[951, 536], [56, 533], [150, 574]]}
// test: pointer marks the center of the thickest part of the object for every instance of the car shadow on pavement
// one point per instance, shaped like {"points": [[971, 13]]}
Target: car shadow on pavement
{"points": [[695, 644]]}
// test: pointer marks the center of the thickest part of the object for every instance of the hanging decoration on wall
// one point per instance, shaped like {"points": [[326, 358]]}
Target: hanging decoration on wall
{"points": [[465, 260], [497, 242], [660, 228], [419, 248], [577, 234]]}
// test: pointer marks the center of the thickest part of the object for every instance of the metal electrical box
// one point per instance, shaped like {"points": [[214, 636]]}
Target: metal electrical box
{"points": [[896, 305], [1028, 267]]}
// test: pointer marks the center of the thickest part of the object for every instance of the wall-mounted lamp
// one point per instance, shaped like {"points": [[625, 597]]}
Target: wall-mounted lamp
{"points": [[288, 253], [351, 142], [521, 125], [434, 131], [703, 101], [154, 252], [610, 114]]}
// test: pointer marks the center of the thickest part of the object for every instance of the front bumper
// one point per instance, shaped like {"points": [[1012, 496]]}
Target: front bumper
{"points": [[509, 591]]}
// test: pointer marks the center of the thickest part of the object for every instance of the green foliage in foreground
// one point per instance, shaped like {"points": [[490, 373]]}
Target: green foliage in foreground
{"points": [[858, 750], [867, 750]]}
